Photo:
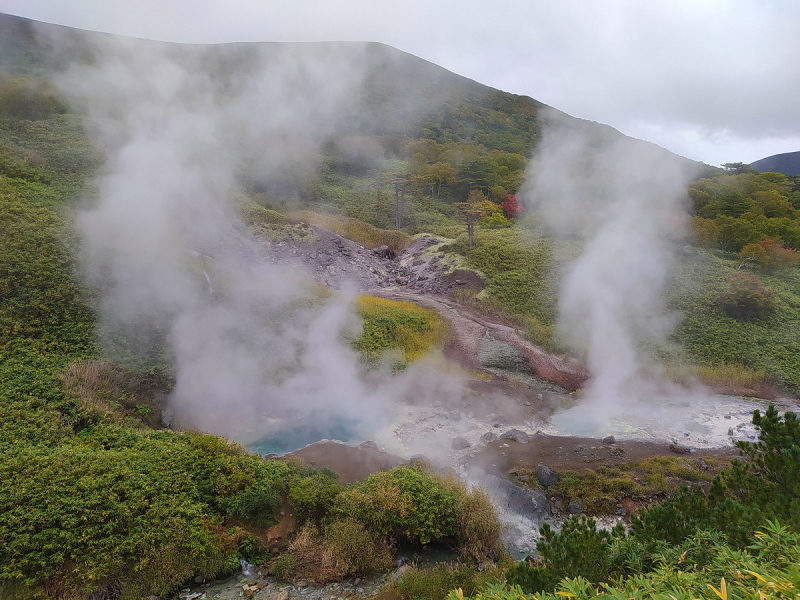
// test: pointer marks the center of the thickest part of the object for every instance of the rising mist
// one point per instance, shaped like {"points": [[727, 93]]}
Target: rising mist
{"points": [[251, 342], [621, 202]]}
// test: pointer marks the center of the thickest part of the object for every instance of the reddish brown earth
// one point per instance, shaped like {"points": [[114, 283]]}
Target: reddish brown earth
{"points": [[351, 463]]}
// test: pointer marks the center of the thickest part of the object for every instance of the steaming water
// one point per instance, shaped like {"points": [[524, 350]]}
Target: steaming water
{"points": [[290, 437], [697, 422]]}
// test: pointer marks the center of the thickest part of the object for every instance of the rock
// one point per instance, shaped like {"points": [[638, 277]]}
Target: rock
{"points": [[531, 504], [730, 430], [579, 448], [368, 445], [575, 507], [401, 280], [488, 437], [523, 478], [384, 252], [546, 475], [248, 591], [400, 572], [460, 443], [621, 512], [609, 439], [283, 595], [516, 435], [678, 449]]}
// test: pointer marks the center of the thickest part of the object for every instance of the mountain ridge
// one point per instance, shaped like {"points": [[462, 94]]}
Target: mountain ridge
{"points": [[787, 163], [394, 82]]}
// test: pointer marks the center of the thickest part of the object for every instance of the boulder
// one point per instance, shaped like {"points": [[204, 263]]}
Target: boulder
{"points": [[678, 449], [575, 507], [488, 437], [460, 443], [400, 572], [516, 435], [531, 504], [546, 475], [609, 439]]}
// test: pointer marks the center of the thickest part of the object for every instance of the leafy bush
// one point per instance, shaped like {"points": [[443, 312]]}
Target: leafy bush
{"points": [[312, 493], [478, 526], [405, 503], [746, 298], [770, 255]]}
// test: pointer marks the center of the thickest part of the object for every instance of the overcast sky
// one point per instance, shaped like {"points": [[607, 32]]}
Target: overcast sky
{"points": [[713, 80]]}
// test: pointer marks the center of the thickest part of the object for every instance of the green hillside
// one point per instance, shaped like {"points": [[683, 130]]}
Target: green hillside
{"points": [[96, 501]]}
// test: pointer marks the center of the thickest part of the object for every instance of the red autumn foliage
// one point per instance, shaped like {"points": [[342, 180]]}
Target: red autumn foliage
{"points": [[510, 207]]}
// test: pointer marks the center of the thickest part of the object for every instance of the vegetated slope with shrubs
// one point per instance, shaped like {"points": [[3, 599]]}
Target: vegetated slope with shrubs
{"points": [[91, 499]]}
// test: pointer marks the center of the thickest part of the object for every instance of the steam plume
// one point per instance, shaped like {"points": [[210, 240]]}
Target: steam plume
{"points": [[622, 202], [163, 243]]}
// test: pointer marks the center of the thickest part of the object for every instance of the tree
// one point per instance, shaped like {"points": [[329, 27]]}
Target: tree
{"points": [[738, 168], [436, 179], [735, 234], [400, 183], [472, 210], [769, 255], [511, 207]]}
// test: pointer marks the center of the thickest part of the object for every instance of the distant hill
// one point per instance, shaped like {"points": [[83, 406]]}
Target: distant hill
{"points": [[787, 163], [402, 96]]}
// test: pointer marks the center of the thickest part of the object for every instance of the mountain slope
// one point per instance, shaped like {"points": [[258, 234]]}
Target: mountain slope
{"points": [[787, 163], [400, 96]]}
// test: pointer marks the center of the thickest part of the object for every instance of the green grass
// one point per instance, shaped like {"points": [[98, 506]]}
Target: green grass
{"points": [[392, 324], [359, 231], [602, 488], [712, 340], [522, 278]]}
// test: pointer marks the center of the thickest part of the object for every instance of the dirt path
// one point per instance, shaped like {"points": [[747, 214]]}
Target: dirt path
{"points": [[469, 331]]}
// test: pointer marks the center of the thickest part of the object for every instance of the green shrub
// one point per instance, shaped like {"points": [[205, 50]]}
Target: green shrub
{"points": [[579, 549], [478, 526], [284, 566], [703, 568], [345, 548], [312, 493], [434, 583], [405, 503], [746, 298]]}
